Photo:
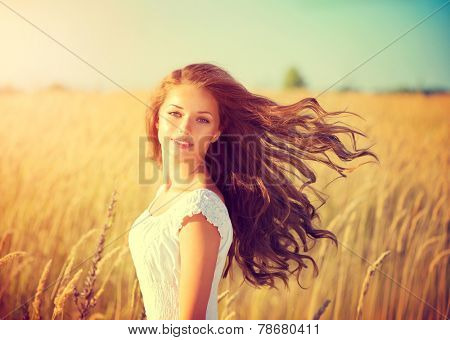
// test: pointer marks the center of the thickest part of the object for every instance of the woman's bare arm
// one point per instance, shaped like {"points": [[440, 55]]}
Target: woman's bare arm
{"points": [[199, 248]]}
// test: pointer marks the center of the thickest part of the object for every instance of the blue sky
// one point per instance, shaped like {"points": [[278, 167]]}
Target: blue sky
{"points": [[135, 43]]}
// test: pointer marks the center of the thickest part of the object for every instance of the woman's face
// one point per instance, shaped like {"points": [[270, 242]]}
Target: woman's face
{"points": [[192, 115]]}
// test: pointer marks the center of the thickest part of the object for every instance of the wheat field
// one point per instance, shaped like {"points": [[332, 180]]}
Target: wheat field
{"points": [[72, 184]]}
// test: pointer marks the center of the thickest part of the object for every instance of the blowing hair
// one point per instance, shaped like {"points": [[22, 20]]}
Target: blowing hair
{"points": [[257, 163]]}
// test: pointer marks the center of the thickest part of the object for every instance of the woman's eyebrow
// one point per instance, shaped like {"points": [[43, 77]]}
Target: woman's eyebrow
{"points": [[198, 111]]}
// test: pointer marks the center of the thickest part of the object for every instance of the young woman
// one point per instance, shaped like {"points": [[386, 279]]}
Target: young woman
{"points": [[227, 191]]}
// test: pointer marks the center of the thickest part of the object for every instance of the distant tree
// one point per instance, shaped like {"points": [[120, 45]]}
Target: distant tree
{"points": [[57, 87], [426, 90], [8, 89], [293, 79]]}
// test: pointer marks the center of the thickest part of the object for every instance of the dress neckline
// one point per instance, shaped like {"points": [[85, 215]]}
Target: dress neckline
{"points": [[177, 201]]}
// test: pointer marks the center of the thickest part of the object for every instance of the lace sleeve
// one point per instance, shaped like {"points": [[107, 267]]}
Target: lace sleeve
{"points": [[210, 206]]}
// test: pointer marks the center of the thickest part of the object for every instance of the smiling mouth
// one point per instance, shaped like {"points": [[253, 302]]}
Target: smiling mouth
{"points": [[183, 144]]}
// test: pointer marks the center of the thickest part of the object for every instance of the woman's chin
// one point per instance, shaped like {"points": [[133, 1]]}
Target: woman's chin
{"points": [[180, 154]]}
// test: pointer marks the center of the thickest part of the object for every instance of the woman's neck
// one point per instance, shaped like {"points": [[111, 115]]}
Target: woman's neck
{"points": [[185, 175]]}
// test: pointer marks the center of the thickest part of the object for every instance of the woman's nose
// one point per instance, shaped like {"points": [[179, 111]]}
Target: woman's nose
{"points": [[185, 125]]}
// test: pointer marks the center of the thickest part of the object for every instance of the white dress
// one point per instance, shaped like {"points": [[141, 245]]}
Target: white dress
{"points": [[155, 250]]}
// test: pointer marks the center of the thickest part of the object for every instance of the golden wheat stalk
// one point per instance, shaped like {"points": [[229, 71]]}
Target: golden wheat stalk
{"points": [[105, 258], [108, 275], [321, 310], [11, 256], [230, 315], [36, 305], [67, 291], [365, 287], [228, 312], [6, 238], [66, 272], [427, 243], [67, 267], [85, 300], [97, 316], [133, 297], [16, 270], [222, 295], [436, 259]]}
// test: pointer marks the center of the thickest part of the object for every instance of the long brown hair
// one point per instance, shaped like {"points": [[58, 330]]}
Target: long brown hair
{"points": [[255, 163]]}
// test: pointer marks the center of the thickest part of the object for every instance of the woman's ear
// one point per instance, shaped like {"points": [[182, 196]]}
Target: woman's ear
{"points": [[216, 137]]}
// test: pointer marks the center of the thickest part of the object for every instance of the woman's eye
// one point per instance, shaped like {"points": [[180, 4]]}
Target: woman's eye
{"points": [[177, 114]]}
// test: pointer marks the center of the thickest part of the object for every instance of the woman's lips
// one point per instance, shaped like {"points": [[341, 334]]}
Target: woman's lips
{"points": [[181, 144]]}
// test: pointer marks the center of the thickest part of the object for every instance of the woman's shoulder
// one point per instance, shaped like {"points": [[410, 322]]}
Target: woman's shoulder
{"points": [[216, 191], [203, 190], [213, 211], [209, 202]]}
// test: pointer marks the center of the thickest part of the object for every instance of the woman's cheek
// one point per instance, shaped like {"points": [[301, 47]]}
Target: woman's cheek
{"points": [[203, 145]]}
